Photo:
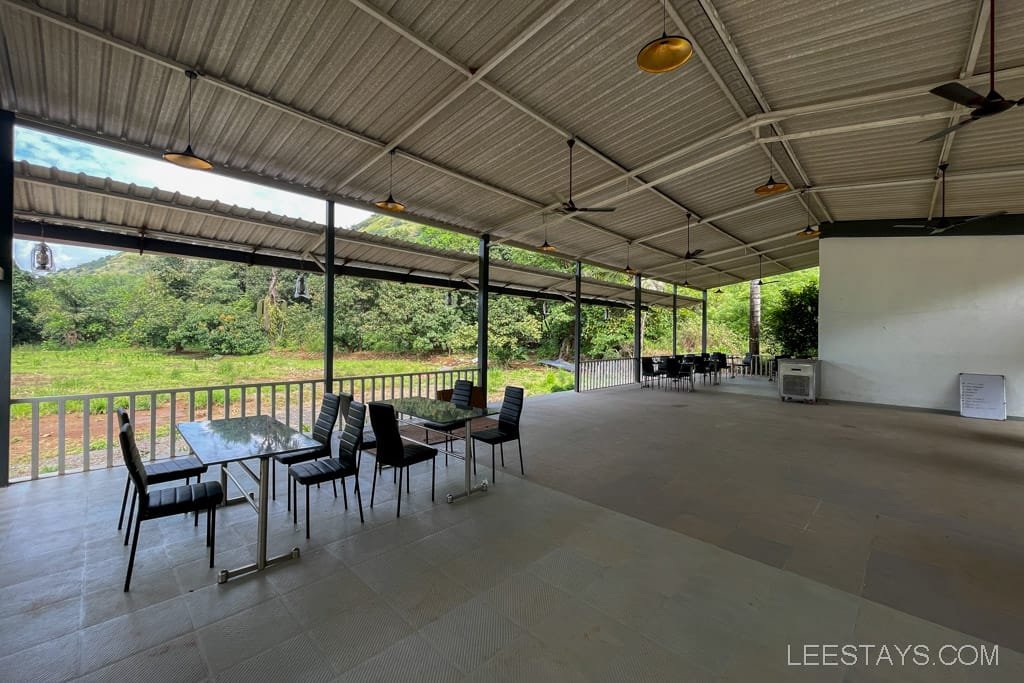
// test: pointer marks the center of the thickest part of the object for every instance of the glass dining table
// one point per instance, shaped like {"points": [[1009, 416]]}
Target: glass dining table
{"points": [[237, 440], [448, 416]]}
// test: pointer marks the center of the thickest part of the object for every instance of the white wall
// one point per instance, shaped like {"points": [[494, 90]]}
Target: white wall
{"points": [[900, 317]]}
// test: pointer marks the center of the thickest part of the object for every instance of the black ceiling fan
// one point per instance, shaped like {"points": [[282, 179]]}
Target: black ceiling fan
{"points": [[982, 106], [942, 224], [569, 206], [760, 277], [690, 255]]}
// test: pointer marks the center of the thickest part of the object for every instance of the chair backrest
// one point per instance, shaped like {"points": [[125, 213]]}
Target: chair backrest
{"points": [[672, 366], [344, 401], [385, 428], [122, 417], [647, 365], [511, 409], [747, 358], [352, 435], [132, 459], [699, 365], [462, 393], [324, 426]]}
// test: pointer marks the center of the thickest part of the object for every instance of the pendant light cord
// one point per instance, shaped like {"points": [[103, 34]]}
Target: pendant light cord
{"points": [[664, 18], [391, 171], [992, 46], [190, 111]]}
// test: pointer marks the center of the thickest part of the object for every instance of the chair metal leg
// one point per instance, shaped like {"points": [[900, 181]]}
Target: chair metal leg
{"points": [[131, 516], [295, 510], [398, 511], [433, 475], [501, 447], [344, 493], [522, 470], [131, 558], [373, 487], [334, 485], [407, 478], [212, 516], [124, 502], [494, 470], [195, 519], [273, 480], [359, 499], [307, 511]]}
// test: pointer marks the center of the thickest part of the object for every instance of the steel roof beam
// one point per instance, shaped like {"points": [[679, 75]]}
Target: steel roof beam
{"points": [[723, 35], [473, 76]]}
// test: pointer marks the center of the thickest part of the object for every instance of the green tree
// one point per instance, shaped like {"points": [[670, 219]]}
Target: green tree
{"points": [[26, 328], [793, 324]]}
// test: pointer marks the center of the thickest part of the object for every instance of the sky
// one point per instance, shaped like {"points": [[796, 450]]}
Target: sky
{"points": [[81, 157]]}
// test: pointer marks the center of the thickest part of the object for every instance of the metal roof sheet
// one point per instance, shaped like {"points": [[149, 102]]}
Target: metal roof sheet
{"points": [[479, 96], [58, 197]]}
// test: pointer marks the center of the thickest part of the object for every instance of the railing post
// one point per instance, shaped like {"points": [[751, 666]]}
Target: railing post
{"points": [[329, 299], [637, 333], [482, 313], [675, 326], [577, 329], [704, 322], [6, 288]]}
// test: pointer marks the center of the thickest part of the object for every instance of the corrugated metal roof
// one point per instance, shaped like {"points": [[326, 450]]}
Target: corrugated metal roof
{"points": [[58, 197], [306, 95]]}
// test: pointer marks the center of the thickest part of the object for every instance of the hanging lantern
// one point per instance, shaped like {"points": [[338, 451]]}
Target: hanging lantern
{"points": [[449, 298], [42, 258], [301, 289], [607, 314], [544, 309]]}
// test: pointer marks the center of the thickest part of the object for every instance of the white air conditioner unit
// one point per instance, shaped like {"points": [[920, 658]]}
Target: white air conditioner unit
{"points": [[798, 379]]}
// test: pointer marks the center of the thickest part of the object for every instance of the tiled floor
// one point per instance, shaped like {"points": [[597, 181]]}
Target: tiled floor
{"points": [[520, 583], [916, 510]]}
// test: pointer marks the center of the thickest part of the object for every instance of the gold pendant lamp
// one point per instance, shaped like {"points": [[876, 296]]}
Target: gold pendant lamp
{"points": [[187, 158], [771, 186], [390, 204], [666, 53]]}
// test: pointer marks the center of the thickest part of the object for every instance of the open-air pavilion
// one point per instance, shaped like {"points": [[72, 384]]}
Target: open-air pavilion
{"points": [[714, 535]]}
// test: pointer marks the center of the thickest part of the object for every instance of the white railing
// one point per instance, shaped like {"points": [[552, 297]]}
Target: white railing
{"points": [[601, 374], [62, 434]]}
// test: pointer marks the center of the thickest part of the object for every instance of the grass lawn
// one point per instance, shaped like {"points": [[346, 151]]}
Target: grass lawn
{"points": [[90, 369]]}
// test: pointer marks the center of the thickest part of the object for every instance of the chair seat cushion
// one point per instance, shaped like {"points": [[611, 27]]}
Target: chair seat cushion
{"points": [[317, 471], [172, 501], [414, 453], [441, 426], [303, 456], [172, 469], [369, 438], [495, 436]]}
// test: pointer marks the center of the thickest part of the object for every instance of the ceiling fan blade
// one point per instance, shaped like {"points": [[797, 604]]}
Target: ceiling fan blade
{"points": [[939, 231], [602, 209], [943, 133], [959, 93], [916, 227], [982, 217]]}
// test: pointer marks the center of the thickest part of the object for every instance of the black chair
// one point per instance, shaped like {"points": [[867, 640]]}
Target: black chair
{"points": [[745, 364], [679, 372], [507, 429], [206, 495], [369, 441], [322, 431], [159, 472], [701, 367], [393, 451], [462, 396], [647, 371], [332, 469]]}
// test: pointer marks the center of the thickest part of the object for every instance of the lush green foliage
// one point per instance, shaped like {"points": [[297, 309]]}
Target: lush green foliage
{"points": [[793, 325], [167, 303]]}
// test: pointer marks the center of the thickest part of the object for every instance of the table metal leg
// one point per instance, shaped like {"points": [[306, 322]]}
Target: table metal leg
{"points": [[262, 561], [470, 455]]}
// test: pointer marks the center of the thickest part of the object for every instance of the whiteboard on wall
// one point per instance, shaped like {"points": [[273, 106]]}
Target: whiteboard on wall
{"points": [[983, 396]]}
